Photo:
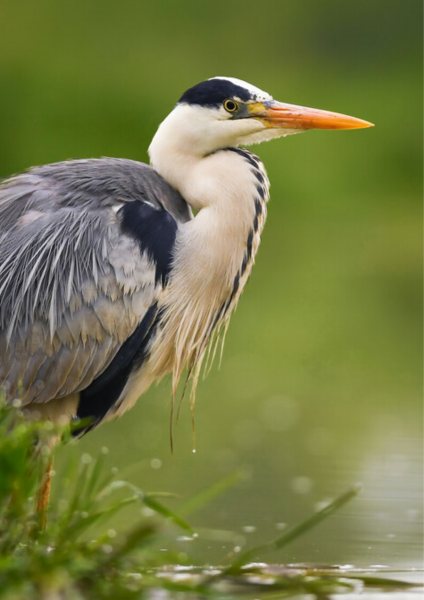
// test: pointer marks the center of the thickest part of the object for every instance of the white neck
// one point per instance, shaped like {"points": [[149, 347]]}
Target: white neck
{"points": [[220, 185], [211, 248], [186, 152]]}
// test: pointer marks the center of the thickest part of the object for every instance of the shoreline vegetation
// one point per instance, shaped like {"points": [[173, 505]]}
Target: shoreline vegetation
{"points": [[78, 556]]}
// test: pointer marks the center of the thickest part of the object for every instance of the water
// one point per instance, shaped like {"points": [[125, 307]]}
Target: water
{"points": [[285, 476], [262, 580]]}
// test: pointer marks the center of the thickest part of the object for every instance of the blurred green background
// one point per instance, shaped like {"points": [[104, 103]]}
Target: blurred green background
{"points": [[320, 384]]}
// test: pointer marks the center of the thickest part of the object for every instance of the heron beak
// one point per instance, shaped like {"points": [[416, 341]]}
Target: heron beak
{"points": [[278, 115]]}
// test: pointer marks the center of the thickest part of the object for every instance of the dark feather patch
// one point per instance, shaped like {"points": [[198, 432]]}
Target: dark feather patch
{"points": [[258, 176], [155, 231], [258, 207], [249, 245], [99, 397], [246, 155], [244, 264], [260, 191], [213, 92], [234, 291]]}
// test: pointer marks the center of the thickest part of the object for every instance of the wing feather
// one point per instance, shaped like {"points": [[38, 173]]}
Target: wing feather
{"points": [[74, 282]]}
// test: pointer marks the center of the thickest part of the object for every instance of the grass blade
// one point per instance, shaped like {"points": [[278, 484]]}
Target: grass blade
{"points": [[296, 531], [166, 512], [219, 487]]}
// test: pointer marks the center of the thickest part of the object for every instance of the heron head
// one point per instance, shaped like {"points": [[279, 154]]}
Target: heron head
{"points": [[224, 112]]}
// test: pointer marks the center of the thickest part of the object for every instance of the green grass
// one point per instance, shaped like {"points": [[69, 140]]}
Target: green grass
{"points": [[77, 556]]}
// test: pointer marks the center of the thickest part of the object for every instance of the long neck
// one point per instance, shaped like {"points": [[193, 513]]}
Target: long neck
{"points": [[229, 189], [214, 251]]}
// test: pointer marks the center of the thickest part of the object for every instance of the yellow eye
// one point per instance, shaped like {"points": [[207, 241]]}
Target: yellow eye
{"points": [[230, 106]]}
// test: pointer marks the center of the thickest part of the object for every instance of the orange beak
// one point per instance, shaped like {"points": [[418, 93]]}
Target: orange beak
{"points": [[289, 116]]}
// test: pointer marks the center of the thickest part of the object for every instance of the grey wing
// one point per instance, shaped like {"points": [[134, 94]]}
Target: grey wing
{"points": [[75, 283]]}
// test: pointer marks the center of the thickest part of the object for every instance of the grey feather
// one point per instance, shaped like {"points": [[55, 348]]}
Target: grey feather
{"points": [[73, 287]]}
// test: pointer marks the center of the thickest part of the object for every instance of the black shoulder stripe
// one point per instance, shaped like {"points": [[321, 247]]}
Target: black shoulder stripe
{"points": [[104, 391], [155, 231]]}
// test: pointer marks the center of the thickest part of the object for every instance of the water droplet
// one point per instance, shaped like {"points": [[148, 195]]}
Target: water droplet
{"points": [[156, 463], [322, 504], [86, 459], [111, 533], [249, 528], [104, 450]]}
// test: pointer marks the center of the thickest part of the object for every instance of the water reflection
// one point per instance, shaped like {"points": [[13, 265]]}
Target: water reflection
{"points": [[298, 580]]}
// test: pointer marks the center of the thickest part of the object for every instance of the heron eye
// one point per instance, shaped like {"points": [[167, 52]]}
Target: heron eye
{"points": [[230, 106]]}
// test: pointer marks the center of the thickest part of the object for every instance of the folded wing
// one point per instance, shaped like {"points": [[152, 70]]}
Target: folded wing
{"points": [[85, 251]]}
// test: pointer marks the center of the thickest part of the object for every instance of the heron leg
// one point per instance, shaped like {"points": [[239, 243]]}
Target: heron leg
{"points": [[43, 495]]}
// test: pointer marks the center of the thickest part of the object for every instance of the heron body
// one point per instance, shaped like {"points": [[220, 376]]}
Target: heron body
{"points": [[108, 281]]}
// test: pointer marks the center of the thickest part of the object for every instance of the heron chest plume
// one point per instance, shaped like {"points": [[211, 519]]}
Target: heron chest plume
{"points": [[213, 257]]}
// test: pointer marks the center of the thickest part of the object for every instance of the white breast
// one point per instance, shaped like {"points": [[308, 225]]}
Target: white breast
{"points": [[213, 259]]}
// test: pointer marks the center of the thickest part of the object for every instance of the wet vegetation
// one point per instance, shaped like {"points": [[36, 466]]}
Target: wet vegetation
{"points": [[78, 556]]}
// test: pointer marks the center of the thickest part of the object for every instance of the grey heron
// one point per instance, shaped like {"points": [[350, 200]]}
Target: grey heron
{"points": [[108, 281]]}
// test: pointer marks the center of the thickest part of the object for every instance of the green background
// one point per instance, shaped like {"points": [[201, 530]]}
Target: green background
{"points": [[320, 384]]}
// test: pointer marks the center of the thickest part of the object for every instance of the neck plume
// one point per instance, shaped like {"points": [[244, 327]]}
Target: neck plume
{"points": [[214, 252]]}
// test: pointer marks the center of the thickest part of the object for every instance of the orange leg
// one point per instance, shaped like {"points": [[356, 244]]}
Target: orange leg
{"points": [[43, 495]]}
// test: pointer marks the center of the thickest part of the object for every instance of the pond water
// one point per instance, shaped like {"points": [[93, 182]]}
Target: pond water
{"points": [[261, 580]]}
